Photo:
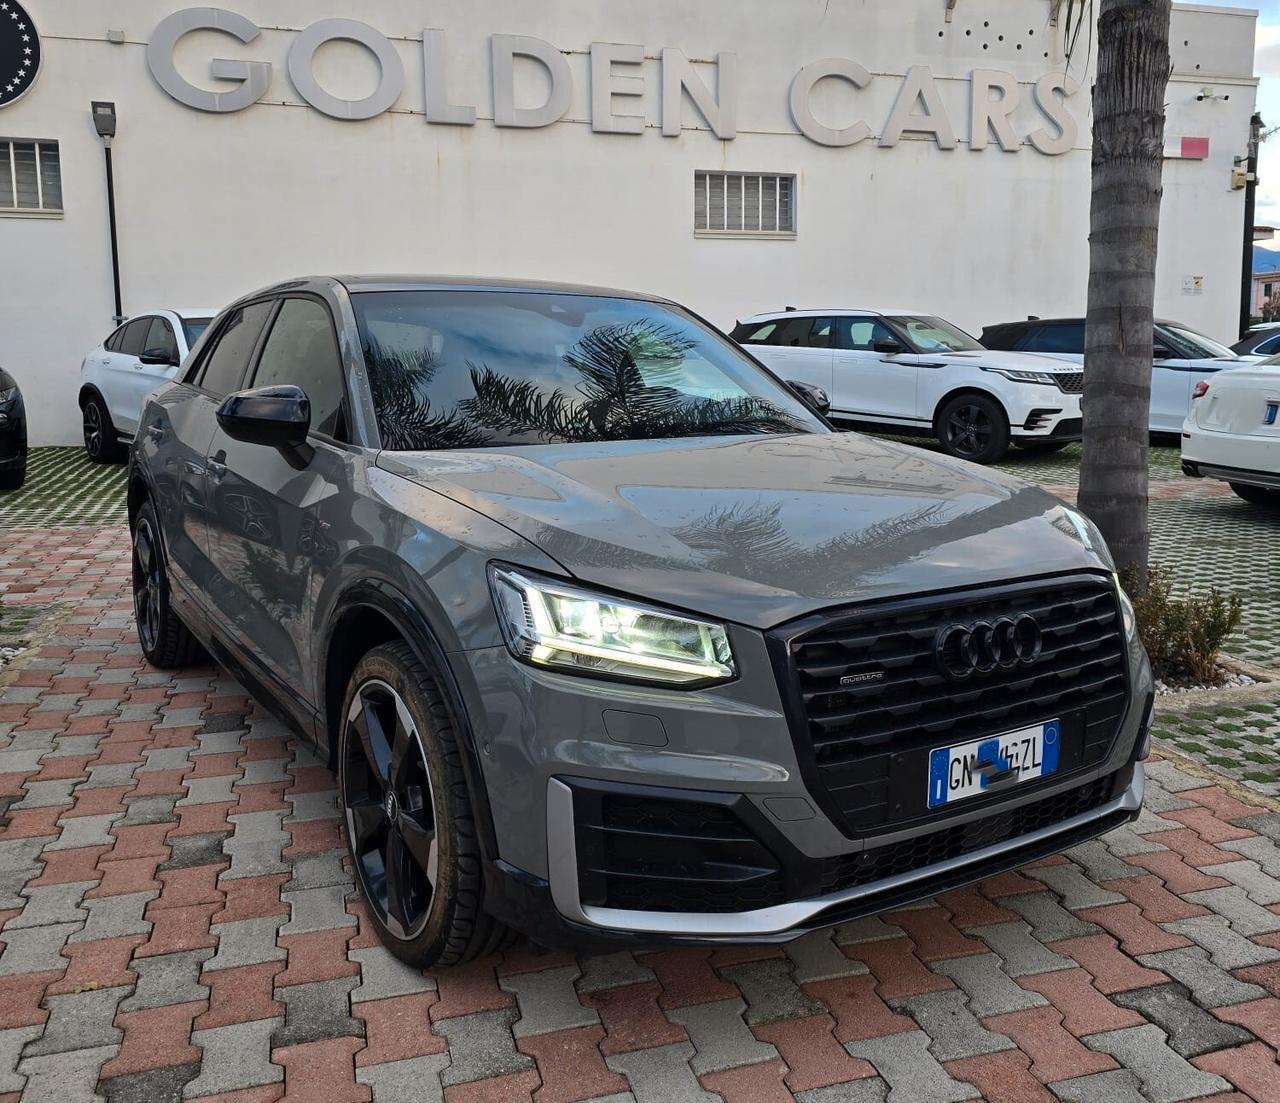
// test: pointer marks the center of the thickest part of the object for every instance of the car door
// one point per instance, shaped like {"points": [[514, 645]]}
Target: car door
{"points": [[182, 444], [120, 376], [159, 341], [796, 348], [869, 384], [1173, 378], [269, 508]]}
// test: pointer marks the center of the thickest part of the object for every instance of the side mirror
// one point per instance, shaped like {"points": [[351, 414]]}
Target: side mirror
{"points": [[813, 397], [1162, 352], [161, 357], [278, 417], [888, 346]]}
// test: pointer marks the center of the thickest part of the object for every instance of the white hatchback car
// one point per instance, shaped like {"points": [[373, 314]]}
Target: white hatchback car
{"points": [[914, 372], [117, 375], [1233, 431]]}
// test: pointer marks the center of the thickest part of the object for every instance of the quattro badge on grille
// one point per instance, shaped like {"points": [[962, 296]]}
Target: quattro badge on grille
{"points": [[862, 679]]}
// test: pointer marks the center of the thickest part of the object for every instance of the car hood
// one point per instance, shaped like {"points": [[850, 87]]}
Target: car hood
{"points": [[1022, 361], [762, 529]]}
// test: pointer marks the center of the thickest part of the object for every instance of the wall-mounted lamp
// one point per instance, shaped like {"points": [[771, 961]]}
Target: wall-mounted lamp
{"points": [[104, 122]]}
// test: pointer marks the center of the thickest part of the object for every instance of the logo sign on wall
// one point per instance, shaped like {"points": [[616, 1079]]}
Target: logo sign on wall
{"points": [[19, 52]]}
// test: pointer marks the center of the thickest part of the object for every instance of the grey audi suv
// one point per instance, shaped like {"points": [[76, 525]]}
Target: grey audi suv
{"points": [[608, 636]]}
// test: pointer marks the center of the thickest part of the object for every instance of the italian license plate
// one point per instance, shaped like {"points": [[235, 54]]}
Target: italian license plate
{"points": [[956, 773]]}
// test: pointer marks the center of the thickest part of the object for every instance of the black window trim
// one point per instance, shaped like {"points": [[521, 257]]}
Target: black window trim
{"points": [[195, 374]]}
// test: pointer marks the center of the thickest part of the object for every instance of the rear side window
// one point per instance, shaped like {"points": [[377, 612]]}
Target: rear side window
{"points": [[1269, 347], [135, 336], [1068, 337], [301, 349], [113, 343], [225, 365], [805, 333], [161, 339], [194, 329], [754, 333]]}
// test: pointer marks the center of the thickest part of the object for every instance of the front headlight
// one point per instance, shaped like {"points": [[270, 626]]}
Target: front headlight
{"points": [[551, 624], [12, 392], [1127, 614], [1017, 375]]}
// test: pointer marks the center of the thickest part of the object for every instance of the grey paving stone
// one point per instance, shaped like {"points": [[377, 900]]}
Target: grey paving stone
{"points": [[1019, 952], [913, 1073], [110, 774], [416, 1080], [870, 1090], [318, 909], [218, 742], [180, 718], [77, 831], [1260, 878], [46, 904], [319, 805], [611, 971], [1228, 949], [1116, 1086], [247, 942], [870, 928], [1049, 920], [79, 1020], [951, 1026], [1191, 1030], [11, 1044], [186, 851], [314, 871], [1124, 842], [166, 758], [548, 1001], [23, 853], [235, 1057], [168, 979], [25, 761], [988, 986], [481, 1045], [255, 845], [35, 949], [1209, 984], [1265, 823], [65, 1077], [1165, 774], [78, 746], [210, 790], [46, 794], [1076, 890], [661, 1073], [260, 771], [1100, 863], [1159, 799], [1233, 904], [318, 1010], [223, 722], [152, 809], [1166, 1077], [113, 916], [816, 957], [1148, 823], [13, 881], [162, 1085], [720, 1036], [771, 991], [382, 975]]}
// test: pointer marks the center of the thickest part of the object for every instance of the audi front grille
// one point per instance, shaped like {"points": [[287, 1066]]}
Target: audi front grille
{"points": [[871, 690]]}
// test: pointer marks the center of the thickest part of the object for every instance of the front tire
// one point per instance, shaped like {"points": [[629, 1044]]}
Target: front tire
{"points": [[14, 477], [974, 427], [1256, 495], [101, 442], [166, 642], [410, 829]]}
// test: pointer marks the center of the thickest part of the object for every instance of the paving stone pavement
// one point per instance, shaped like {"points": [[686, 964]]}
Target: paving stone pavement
{"points": [[178, 923]]}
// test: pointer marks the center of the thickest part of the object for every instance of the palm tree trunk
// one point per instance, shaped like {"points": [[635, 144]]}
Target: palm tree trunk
{"points": [[1128, 154]]}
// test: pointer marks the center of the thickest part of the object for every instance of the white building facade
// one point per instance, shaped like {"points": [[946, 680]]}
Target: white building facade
{"points": [[736, 155]]}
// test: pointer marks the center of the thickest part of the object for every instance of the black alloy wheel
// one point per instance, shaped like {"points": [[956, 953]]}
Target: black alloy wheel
{"points": [[390, 809], [148, 581], [100, 441], [974, 427]]}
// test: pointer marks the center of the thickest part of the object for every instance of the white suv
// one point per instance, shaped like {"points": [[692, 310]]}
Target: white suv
{"points": [[117, 375], [918, 373]]}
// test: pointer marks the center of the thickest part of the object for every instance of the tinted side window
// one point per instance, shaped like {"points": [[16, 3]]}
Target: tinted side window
{"points": [[301, 349], [160, 338], [225, 365], [135, 334], [863, 333], [755, 334], [113, 343], [805, 333], [1068, 337], [1269, 347]]}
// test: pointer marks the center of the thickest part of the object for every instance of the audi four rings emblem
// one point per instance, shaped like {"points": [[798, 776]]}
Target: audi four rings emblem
{"points": [[963, 650]]}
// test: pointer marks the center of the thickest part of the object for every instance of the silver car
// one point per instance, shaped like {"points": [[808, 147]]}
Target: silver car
{"points": [[609, 637]]}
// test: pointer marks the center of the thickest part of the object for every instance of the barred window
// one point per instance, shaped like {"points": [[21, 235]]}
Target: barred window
{"points": [[744, 203], [30, 177]]}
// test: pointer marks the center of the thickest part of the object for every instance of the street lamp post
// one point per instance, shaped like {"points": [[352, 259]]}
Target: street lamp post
{"points": [[104, 122]]}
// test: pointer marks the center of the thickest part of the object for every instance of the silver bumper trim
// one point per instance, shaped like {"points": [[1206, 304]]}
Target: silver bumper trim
{"points": [[563, 868]]}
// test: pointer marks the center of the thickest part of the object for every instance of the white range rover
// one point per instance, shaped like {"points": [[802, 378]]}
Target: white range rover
{"points": [[914, 372]]}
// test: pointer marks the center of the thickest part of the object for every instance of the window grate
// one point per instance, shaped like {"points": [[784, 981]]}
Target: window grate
{"points": [[30, 176], [744, 203]]}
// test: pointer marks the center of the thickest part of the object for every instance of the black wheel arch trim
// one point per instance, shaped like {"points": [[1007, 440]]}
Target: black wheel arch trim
{"points": [[385, 598], [972, 389]]}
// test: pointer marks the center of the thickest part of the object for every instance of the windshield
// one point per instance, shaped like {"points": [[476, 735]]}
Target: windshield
{"points": [[476, 369], [935, 335], [193, 328], [1190, 345]]}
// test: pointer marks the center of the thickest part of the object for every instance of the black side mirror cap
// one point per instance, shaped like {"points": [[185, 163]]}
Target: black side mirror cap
{"points": [[814, 397], [888, 347], [162, 357], [278, 417]]}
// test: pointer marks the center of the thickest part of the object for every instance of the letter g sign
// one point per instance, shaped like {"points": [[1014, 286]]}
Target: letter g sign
{"points": [[252, 76]]}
